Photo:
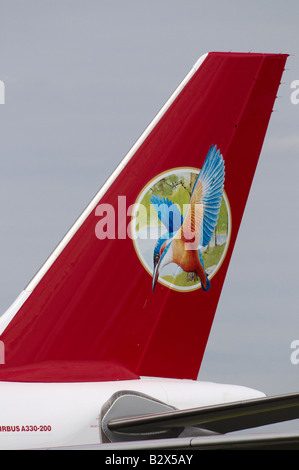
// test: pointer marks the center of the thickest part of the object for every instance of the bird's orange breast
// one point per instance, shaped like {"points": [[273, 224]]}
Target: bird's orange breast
{"points": [[187, 259]]}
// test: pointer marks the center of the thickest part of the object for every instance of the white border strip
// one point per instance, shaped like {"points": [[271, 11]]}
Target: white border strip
{"points": [[111, 179], [12, 310]]}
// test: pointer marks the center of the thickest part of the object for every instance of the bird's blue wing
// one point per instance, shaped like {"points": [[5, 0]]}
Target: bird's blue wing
{"points": [[168, 213], [211, 179]]}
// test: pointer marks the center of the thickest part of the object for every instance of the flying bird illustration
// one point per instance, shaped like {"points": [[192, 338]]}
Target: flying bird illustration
{"points": [[185, 237]]}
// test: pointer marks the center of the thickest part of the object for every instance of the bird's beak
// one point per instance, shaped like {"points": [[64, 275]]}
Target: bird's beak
{"points": [[155, 275]]}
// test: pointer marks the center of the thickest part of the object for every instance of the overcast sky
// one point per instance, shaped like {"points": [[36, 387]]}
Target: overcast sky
{"points": [[83, 78]]}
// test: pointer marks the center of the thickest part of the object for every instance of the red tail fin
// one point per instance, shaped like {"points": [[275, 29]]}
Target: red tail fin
{"points": [[93, 299]]}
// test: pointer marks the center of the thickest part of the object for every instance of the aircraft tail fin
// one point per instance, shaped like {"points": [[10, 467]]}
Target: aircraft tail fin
{"points": [[93, 299]]}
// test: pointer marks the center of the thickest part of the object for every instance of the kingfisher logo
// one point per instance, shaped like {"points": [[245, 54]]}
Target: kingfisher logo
{"points": [[184, 234]]}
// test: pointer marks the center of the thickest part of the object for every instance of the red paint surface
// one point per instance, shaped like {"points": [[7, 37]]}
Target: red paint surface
{"points": [[67, 371], [95, 303]]}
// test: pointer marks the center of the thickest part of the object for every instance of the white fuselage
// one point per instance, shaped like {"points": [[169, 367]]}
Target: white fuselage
{"points": [[49, 415]]}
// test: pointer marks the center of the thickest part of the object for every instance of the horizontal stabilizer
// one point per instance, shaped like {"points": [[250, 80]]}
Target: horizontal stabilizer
{"points": [[220, 418]]}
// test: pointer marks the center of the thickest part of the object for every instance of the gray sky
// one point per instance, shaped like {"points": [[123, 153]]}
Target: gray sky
{"points": [[82, 81]]}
